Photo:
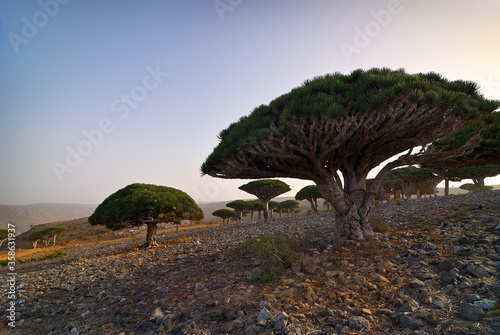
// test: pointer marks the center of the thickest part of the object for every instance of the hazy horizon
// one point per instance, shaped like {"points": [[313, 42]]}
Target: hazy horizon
{"points": [[99, 95]]}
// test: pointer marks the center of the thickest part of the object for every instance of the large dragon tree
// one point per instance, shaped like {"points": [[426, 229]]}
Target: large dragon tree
{"points": [[138, 204], [347, 125]]}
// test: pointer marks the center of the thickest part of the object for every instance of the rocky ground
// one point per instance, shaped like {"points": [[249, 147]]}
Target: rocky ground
{"points": [[434, 272]]}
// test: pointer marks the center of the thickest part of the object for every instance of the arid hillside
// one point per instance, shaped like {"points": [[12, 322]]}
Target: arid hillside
{"points": [[27, 215]]}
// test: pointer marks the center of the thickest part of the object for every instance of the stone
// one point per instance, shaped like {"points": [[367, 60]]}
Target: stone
{"points": [[157, 314], [410, 306], [486, 304], [281, 321], [359, 323], [471, 312], [428, 246], [410, 323], [264, 314], [416, 283], [477, 271]]}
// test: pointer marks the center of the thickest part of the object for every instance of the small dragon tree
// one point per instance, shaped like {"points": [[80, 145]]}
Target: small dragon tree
{"points": [[139, 204], [310, 193], [272, 205], [349, 124], [412, 179], [53, 232], [255, 205], [239, 206], [225, 213], [35, 237], [476, 173], [288, 205], [265, 190]]}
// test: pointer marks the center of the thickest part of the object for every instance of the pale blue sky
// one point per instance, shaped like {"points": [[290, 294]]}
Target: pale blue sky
{"points": [[162, 78]]}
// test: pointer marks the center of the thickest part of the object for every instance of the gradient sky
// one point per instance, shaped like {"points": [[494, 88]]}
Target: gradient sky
{"points": [[142, 88]]}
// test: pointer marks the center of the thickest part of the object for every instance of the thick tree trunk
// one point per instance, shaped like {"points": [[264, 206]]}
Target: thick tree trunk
{"points": [[352, 204], [151, 235], [479, 182]]}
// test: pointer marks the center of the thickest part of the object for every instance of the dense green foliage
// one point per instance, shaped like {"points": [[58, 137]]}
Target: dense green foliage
{"points": [[239, 207], [341, 96], [225, 213], [413, 180], [277, 186], [487, 152], [136, 204], [308, 192], [265, 190]]}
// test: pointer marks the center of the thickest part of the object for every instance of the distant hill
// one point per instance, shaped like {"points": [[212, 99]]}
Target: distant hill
{"points": [[26, 215]]}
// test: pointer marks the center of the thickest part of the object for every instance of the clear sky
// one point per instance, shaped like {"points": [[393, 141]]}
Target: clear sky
{"points": [[95, 95]]}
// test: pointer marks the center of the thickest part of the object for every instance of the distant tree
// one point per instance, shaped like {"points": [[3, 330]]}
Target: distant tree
{"points": [[272, 205], [412, 179], [348, 124], [53, 232], [35, 237], [476, 173], [265, 190], [472, 188], [289, 206], [239, 206], [255, 205], [4, 235], [139, 204], [226, 214], [485, 153], [310, 193]]}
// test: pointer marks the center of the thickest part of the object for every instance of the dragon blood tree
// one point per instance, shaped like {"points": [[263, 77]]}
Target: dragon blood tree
{"points": [[138, 204], [478, 162], [265, 190], [311, 194], [346, 125]]}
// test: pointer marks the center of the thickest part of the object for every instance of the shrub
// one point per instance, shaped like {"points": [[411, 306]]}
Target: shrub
{"points": [[378, 223], [277, 253], [55, 254]]}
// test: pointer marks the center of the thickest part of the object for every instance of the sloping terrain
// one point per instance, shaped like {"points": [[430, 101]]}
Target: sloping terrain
{"points": [[27, 215], [435, 271]]}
